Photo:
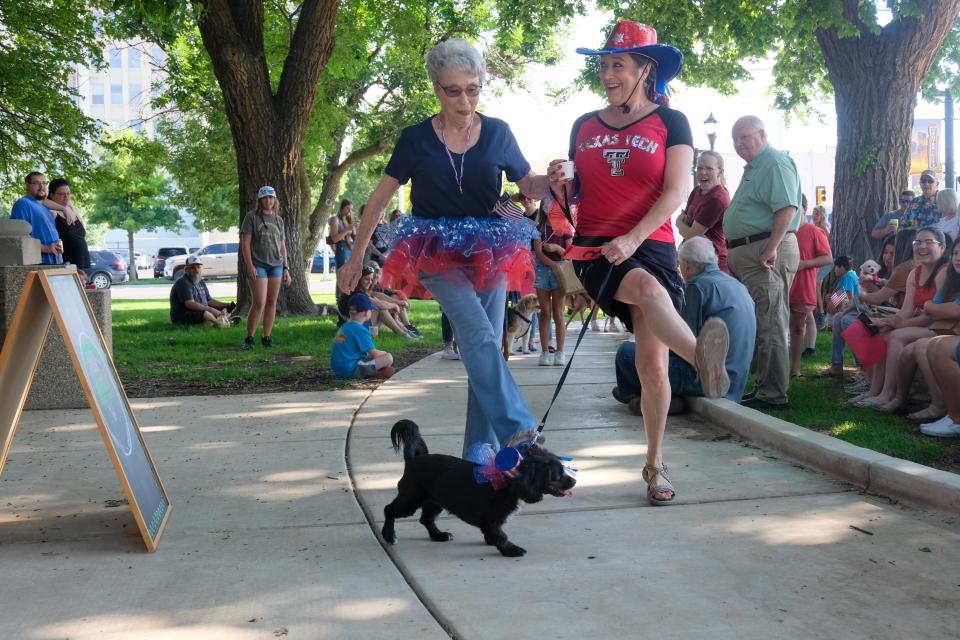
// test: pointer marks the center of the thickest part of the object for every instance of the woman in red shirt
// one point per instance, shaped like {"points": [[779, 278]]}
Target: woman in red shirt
{"points": [[910, 323], [708, 201], [632, 160]]}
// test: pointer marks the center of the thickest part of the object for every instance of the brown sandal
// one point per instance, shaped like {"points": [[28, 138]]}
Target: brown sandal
{"points": [[661, 485]]}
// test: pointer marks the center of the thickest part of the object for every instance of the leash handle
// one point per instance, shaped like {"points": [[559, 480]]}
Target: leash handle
{"points": [[583, 331]]}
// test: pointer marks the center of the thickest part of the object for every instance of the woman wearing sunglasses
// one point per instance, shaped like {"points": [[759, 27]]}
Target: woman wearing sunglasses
{"points": [[455, 247]]}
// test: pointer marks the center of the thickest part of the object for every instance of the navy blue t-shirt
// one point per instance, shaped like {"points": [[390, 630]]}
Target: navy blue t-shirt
{"points": [[420, 156]]}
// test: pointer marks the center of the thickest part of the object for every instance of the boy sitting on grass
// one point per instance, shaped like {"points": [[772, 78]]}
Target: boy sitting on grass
{"points": [[353, 354], [848, 287]]}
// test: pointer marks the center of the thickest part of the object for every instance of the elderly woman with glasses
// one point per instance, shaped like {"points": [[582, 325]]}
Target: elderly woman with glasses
{"points": [[922, 210], [456, 246]]}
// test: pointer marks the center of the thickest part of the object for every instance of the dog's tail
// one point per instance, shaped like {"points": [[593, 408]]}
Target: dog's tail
{"points": [[406, 434]]}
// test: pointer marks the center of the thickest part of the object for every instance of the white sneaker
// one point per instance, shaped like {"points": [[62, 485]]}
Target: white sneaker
{"points": [[546, 359], [559, 359], [449, 353], [945, 427]]}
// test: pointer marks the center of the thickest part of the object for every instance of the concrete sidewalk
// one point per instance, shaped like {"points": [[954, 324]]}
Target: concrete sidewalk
{"points": [[269, 535]]}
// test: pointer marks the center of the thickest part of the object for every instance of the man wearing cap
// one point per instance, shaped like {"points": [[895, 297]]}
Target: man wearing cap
{"points": [[890, 222], [191, 302], [922, 210], [353, 354], [760, 226]]}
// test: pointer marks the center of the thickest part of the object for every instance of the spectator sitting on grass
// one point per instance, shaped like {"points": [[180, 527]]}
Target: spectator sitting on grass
{"points": [[378, 317], [944, 309], [391, 301], [944, 355], [191, 302], [910, 323], [353, 354], [843, 310]]}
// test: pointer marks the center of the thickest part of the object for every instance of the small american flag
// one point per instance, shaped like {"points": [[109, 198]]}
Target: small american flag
{"points": [[838, 298], [506, 208]]}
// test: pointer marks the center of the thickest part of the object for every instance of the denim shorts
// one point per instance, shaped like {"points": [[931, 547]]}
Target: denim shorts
{"points": [[546, 279], [366, 368], [265, 271]]}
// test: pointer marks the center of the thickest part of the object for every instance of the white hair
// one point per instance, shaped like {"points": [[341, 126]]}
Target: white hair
{"points": [[458, 55], [753, 121], [698, 251], [948, 198]]}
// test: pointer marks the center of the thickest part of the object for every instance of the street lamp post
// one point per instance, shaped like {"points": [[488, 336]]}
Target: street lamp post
{"points": [[710, 126]]}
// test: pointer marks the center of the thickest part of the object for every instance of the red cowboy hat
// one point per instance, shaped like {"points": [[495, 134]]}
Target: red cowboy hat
{"points": [[632, 37]]}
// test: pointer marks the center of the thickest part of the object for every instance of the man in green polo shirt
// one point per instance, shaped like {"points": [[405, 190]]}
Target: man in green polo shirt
{"points": [[762, 253]]}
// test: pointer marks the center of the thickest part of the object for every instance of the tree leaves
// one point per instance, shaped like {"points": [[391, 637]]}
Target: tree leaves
{"points": [[41, 126], [132, 191]]}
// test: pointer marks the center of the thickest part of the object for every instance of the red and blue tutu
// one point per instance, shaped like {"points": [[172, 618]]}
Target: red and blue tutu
{"points": [[490, 250]]}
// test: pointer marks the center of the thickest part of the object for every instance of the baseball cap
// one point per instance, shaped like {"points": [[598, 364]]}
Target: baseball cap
{"points": [[194, 260], [360, 302], [265, 192]]}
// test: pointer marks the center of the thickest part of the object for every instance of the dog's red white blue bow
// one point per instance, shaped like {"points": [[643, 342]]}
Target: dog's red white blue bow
{"points": [[500, 467]]}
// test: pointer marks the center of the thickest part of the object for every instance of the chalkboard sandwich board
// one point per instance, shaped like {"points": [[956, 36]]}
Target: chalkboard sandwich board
{"points": [[57, 295]]}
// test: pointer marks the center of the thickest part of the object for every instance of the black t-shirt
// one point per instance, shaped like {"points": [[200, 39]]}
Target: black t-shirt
{"points": [[420, 156], [74, 238], [185, 289]]}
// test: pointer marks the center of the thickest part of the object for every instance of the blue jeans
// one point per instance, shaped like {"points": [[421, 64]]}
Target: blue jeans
{"points": [[496, 410], [341, 253], [446, 331], [840, 324], [682, 376]]}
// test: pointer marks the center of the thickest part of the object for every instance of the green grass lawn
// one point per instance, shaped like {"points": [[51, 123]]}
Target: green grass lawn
{"points": [[821, 404], [151, 353], [157, 358]]}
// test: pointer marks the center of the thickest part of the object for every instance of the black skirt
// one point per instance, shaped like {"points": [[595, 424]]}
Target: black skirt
{"points": [[657, 258]]}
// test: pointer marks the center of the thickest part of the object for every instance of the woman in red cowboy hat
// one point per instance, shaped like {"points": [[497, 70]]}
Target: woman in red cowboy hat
{"points": [[632, 162]]}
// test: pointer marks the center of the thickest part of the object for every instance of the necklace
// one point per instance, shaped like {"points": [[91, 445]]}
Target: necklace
{"points": [[453, 165]]}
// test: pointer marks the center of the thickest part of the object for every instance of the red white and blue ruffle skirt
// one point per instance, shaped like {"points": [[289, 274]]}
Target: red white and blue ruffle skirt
{"points": [[492, 251]]}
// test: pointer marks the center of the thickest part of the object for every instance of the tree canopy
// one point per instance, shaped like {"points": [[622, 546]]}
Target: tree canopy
{"points": [[132, 190], [872, 57], [41, 126]]}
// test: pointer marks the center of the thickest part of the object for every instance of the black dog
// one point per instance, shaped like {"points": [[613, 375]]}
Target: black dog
{"points": [[434, 482]]}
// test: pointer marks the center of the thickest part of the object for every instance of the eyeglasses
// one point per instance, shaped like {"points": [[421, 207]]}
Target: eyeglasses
{"points": [[928, 243], [472, 91], [927, 180]]}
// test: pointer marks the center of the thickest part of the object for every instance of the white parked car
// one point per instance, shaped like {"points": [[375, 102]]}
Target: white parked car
{"points": [[219, 260]]}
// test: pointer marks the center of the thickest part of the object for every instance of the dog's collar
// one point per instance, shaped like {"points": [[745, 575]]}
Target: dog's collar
{"points": [[522, 317]]}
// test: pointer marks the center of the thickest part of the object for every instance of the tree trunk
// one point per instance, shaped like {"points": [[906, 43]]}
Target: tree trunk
{"points": [[333, 176], [268, 128], [876, 78], [132, 267]]}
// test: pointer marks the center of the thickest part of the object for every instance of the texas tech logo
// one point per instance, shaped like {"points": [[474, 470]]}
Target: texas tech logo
{"points": [[616, 158]]}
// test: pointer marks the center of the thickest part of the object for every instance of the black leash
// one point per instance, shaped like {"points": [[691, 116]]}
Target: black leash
{"points": [[566, 369], [583, 329]]}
